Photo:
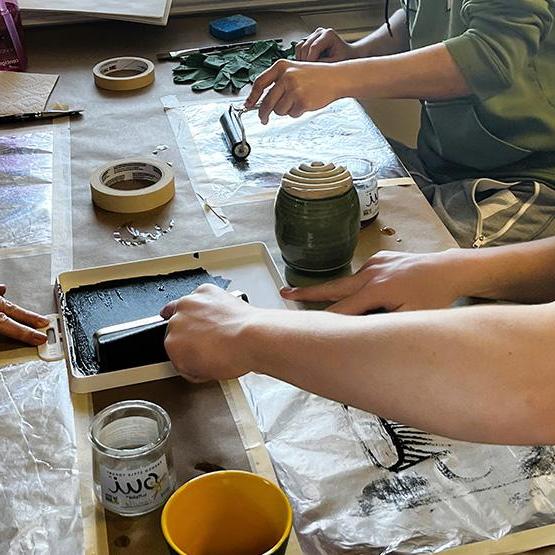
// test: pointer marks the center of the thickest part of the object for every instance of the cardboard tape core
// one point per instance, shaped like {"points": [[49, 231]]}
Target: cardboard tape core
{"points": [[130, 186], [124, 74]]}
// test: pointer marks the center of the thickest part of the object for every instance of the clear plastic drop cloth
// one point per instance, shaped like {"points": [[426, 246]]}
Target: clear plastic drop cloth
{"points": [[360, 484], [341, 129], [40, 511], [26, 170]]}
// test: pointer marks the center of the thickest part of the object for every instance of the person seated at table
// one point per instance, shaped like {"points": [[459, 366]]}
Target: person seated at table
{"points": [[474, 373], [485, 74], [19, 323]]}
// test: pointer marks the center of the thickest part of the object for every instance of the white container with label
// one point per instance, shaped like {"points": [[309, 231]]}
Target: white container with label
{"points": [[132, 459], [364, 174]]}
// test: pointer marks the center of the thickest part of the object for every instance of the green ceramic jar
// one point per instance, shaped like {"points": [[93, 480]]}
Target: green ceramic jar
{"points": [[317, 217]]}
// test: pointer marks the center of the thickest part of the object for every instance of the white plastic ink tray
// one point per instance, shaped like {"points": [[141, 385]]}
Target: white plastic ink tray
{"points": [[249, 266]]}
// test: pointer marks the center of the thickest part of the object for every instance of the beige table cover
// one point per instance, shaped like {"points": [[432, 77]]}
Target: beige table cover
{"points": [[116, 125]]}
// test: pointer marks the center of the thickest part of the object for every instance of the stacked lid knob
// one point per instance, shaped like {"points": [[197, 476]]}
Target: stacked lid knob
{"points": [[317, 181]]}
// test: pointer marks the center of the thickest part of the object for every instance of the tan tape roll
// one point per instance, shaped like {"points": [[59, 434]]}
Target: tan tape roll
{"points": [[120, 186], [124, 74]]}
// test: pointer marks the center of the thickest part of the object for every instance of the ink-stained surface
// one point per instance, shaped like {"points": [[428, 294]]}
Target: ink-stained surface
{"points": [[341, 129], [91, 307], [360, 484]]}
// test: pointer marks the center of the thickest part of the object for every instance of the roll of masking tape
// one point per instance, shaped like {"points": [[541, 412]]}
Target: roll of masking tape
{"points": [[132, 185], [124, 74]]}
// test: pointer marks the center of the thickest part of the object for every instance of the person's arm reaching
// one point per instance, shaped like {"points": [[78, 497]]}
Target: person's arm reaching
{"points": [[298, 87], [381, 42], [522, 273], [325, 45], [487, 58], [478, 374]]}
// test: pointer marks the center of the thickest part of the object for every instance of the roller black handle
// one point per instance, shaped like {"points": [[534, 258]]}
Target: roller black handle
{"points": [[138, 346], [135, 344]]}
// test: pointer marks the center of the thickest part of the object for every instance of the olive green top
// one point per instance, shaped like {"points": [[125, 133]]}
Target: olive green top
{"points": [[506, 51]]}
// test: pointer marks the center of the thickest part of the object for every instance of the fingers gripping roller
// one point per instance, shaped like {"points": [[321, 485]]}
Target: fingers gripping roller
{"points": [[137, 343]]}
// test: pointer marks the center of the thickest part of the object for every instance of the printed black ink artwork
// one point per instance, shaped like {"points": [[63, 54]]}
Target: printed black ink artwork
{"points": [[399, 446], [361, 484], [396, 448], [390, 445]]}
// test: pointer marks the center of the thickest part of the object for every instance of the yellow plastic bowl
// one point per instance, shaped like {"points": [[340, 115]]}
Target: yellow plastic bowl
{"points": [[228, 513]]}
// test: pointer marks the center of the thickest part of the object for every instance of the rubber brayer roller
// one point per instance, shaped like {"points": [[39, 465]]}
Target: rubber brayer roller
{"points": [[234, 131], [136, 343]]}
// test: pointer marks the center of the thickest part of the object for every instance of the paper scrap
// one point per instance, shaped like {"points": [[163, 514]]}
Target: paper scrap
{"points": [[21, 93]]}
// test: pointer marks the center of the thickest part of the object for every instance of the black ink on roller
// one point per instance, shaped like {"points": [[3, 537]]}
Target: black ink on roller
{"points": [[133, 344], [90, 308], [234, 131]]}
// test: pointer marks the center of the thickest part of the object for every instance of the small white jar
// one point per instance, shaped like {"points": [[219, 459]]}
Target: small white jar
{"points": [[132, 460]]}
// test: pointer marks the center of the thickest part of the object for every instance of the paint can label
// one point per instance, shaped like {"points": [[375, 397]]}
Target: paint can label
{"points": [[141, 489], [368, 199]]}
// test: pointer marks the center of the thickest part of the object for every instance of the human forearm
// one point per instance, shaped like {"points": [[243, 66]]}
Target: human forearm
{"points": [[297, 87], [522, 273], [381, 42], [477, 374], [426, 73], [327, 45]]}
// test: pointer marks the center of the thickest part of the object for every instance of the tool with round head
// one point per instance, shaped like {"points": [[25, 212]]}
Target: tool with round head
{"points": [[234, 130]]}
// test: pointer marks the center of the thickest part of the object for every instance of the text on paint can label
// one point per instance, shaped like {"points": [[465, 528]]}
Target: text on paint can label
{"points": [[144, 488]]}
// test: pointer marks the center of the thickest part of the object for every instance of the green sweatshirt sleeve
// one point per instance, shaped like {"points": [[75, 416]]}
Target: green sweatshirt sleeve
{"points": [[501, 37]]}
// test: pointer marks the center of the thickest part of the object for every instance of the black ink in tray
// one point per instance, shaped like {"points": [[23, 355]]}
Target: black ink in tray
{"points": [[91, 307]]}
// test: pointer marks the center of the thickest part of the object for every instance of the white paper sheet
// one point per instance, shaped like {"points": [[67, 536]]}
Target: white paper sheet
{"points": [[146, 11], [21, 93]]}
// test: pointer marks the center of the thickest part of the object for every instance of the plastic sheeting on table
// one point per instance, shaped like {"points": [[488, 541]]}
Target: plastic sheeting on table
{"points": [[26, 163], [39, 482], [35, 194], [341, 129], [360, 484]]}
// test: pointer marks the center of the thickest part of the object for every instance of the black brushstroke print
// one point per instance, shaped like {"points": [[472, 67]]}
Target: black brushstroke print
{"points": [[396, 447], [404, 492], [390, 445], [540, 462]]}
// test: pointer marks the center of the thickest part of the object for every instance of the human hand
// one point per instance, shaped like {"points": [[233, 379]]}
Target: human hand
{"points": [[392, 281], [297, 87], [18, 323], [204, 334], [324, 45]]}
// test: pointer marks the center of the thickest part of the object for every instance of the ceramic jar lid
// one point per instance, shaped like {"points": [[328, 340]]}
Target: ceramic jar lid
{"points": [[317, 181]]}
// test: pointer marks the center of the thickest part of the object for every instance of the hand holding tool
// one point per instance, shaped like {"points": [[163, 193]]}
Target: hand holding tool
{"points": [[137, 343]]}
